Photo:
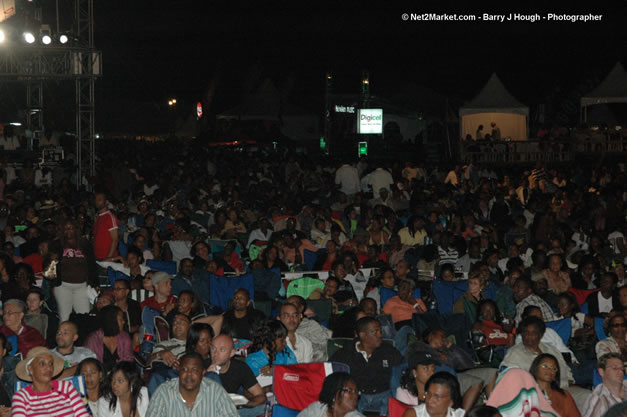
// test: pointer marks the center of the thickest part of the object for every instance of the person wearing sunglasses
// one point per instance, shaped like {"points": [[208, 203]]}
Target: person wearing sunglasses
{"points": [[546, 371], [616, 342]]}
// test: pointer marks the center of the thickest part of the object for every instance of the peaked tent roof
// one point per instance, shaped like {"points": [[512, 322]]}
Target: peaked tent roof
{"points": [[266, 103], [492, 98], [613, 89]]}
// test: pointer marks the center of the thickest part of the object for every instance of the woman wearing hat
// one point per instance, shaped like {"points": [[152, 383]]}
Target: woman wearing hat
{"points": [[45, 396], [421, 367]]}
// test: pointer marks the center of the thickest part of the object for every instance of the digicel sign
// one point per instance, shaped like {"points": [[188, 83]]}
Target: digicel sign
{"points": [[370, 121]]}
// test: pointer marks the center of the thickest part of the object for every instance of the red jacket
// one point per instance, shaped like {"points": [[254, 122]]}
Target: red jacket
{"points": [[27, 338]]}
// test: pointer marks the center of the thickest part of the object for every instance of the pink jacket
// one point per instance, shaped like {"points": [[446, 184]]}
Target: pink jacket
{"points": [[125, 347]]}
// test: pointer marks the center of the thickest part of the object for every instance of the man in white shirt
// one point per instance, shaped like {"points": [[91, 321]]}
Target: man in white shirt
{"points": [[67, 335], [380, 178], [301, 347], [347, 178]]}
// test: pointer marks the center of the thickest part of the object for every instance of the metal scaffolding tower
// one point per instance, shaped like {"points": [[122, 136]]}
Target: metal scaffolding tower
{"points": [[79, 62]]}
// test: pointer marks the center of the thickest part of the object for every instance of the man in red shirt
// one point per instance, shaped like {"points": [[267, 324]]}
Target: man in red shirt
{"points": [[27, 337], [105, 230], [162, 300]]}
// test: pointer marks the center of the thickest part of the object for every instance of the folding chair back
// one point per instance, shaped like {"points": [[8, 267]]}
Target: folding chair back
{"points": [[297, 386], [396, 408], [446, 293], [222, 288], [310, 259], [322, 308], [162, 329], [165, 266], [562, 327], [303, 286]]}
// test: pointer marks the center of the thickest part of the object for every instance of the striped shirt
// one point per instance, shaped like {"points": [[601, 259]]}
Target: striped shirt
{"points": [[61, 401], [212, 400], [449, 256]]}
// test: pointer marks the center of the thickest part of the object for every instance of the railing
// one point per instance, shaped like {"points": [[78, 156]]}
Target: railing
{"points": [[534, 150]]}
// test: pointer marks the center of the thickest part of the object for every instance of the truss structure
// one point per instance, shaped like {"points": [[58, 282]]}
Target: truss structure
{"points": [[81, 63]]}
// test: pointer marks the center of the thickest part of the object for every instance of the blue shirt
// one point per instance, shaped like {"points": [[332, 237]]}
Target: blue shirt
{"points": [[259, 359]]}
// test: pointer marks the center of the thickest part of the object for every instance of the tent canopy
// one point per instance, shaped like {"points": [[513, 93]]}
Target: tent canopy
{"points": [[613, 89], [494, 104], [267, 103]]}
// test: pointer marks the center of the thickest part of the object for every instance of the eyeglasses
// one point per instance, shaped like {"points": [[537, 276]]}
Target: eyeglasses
{"points": [[350, 390], [619, 325], [551, 368]]}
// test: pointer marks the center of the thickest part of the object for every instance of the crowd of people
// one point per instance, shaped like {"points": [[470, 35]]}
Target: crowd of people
{"points": [[87, 288]]}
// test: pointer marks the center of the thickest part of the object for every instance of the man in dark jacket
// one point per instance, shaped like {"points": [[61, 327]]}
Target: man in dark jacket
{"points": [[371, 363]]}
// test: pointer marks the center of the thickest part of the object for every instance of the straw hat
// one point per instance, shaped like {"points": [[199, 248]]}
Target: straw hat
{"points": [[21, 370]]}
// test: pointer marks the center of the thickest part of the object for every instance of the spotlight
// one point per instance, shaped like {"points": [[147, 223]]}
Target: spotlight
{"points": [[2, 36], [29, 37], [46, 39], [63, 39]]}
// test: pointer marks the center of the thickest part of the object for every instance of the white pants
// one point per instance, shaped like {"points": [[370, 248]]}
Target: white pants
{"points": [[70, 296]]}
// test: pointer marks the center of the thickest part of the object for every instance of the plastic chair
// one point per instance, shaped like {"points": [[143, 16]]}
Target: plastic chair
{"points": [[396, 408], [562, 327], [165, 266], [303, 286], [297, 386]]}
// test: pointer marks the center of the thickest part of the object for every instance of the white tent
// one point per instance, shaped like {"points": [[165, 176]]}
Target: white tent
{"points": [[494, 104], [267, 103], [613, 89]]}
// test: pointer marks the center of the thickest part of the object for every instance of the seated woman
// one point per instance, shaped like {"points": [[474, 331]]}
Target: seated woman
{"points": [[45, 394], [338, 398], [382, 287], [442, 398], [468, 302], [110, 343], [497, 335], [123, 393], [546, 372], [188, 304], [91, 370], [404, 305], [269, 348], [421, 367], [556, 276]]}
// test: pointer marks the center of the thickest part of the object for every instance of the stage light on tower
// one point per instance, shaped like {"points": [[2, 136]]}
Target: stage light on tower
{"points": [[46, 39], [63, 39], [29, 37]]}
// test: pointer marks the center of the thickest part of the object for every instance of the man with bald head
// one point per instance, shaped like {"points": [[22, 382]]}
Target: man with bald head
{"points": [[235, 374]]}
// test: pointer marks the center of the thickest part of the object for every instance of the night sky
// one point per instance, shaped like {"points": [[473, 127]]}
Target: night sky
{"points": [[178, 48], [155, 50]]}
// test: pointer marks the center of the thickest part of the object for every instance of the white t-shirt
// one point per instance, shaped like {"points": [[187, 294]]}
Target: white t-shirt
{"points": [[605, 304]]}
